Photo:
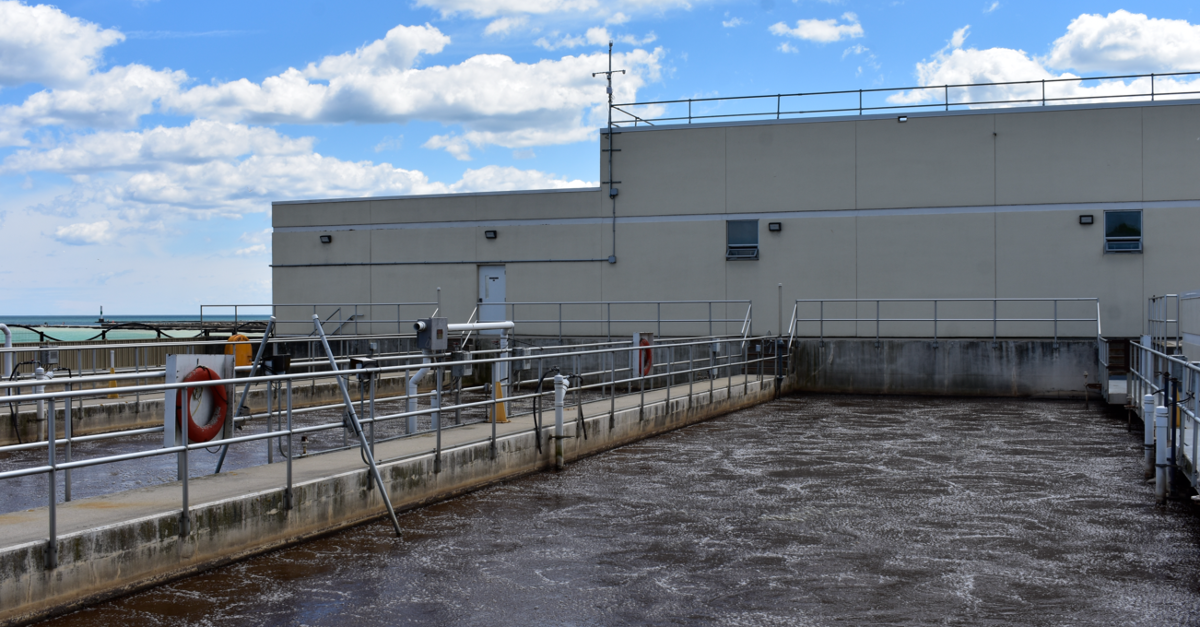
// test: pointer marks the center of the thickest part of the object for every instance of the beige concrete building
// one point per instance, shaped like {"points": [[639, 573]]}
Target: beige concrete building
{"points": [[1041, 202]]}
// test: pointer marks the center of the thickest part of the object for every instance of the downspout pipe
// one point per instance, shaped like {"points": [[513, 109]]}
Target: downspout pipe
{"points": [[413, 381]]}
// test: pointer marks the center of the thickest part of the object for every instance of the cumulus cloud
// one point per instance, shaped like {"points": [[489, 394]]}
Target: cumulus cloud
{"points": [[1088, 43], [117, 98], [732, 23], [596, 36], [83, 234], [148, 176], [1127, 42], [821, 31], [505, 25], [41, 44], [493, 8]]}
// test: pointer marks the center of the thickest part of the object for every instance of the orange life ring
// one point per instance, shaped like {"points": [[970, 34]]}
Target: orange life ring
{"points": [[216, 420], [647, 357]]}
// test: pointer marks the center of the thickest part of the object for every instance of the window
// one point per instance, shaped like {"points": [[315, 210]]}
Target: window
{"points": [[1122, 231], [741, 239]]}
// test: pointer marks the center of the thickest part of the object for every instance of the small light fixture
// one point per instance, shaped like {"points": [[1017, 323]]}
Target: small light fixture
{"points": [[902, 119], [774, 227], [489, 234], [325, 239], [1086, 219]]}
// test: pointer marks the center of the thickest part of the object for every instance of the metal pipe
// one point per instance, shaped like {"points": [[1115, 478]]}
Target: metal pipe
{"points": [[1160, 455], [560, 393], [1148, 422], [366, 448], [411, 387]]}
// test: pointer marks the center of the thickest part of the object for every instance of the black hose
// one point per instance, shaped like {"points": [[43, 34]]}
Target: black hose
{"points": [[537, 408]]}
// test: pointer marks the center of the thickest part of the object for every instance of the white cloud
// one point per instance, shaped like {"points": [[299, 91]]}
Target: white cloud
{"points": [[493, 8], [992, 7], [617, 19], [733, 23], [855, 49], [1127, 42], [505, 25], [821, 31], [198, 142], [787, 47], [956, 65], [83, 234], [164, 173], [390, 143], [41, 44], [113, 99], [491, 95]]}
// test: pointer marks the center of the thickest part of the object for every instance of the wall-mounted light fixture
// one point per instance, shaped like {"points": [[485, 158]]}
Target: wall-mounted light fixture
{"points": [[489, 234], [774, 227], [325, 239], [1086, 219], [902, 119]]}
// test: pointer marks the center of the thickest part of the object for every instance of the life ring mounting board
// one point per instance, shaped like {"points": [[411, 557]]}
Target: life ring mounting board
{"points": [[643, 356], [202, 409]]}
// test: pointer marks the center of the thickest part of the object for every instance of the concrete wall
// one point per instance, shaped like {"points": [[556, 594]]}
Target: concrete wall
{"points": [[116, 559], [978, 204], [1012, 368]]}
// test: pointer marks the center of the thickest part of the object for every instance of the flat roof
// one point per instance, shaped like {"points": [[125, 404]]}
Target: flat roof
{"points": [[561, 190]]}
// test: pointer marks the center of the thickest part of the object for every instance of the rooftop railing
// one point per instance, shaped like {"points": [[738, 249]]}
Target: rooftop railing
{"points": [[1042, 92]]}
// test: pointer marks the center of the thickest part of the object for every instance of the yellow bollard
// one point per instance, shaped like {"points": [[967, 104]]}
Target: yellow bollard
{"points": [[241, 352], [113, 384], [498, 408]]}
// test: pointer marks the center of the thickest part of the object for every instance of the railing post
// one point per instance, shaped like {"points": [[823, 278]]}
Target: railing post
{"points": [[1043, 92], [1148, 423], [560, 392], [1152, 87], [659, 316], [287, 493], [876, 323], [946, 92], [860, 102], [52, 544], [437, 417], [560, 323], [67, 435], [777, 105], [1160, 454], [821, 321], [689, 111]]}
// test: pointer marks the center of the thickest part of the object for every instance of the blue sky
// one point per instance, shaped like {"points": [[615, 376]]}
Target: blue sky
{"points": [[142, 141]]}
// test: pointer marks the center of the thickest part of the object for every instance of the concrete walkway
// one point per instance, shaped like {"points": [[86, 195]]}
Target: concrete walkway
{"points": [[29, 526]]}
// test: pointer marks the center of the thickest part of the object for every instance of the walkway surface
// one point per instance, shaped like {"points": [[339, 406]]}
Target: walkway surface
{"points": [[27, 526]]}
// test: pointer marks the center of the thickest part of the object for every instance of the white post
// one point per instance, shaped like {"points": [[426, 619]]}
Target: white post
{"points": [[1148, 421], [7, 371], [1160, 456], [560, 393]]}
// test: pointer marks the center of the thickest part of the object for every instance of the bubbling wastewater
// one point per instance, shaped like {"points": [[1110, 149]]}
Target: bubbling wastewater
{"points": [[811, 510]]}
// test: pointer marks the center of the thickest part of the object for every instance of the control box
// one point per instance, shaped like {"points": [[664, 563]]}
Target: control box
{"points": [[461, 370], [433, 334]]}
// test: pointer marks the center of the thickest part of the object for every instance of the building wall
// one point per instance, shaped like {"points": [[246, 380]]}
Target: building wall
{"points": [[959, 205]]}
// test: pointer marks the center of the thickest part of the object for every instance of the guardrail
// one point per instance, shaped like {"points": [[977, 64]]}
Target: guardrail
{"points": [[905, 94], [1165, 388], [934, 319], [611, 375], [1165, 332]]}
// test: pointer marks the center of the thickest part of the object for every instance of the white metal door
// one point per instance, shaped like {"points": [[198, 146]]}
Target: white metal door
{"points": [[491, 290]]}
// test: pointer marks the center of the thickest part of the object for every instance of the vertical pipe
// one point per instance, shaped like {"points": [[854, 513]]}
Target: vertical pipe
{"points": [[8, 360], [437, 420], [659, 315], [52, 544], [780, 327], [935, 321], [612, 400], [560, 392], [728, 371], [1148, 423], [691, 371], [994, 316], [1172, 432], [1056, 324], [1160, 454], [185, 516], [821, 316], [287, 494], [670, 380], [271, 441], [371, 382], [67, 435]]}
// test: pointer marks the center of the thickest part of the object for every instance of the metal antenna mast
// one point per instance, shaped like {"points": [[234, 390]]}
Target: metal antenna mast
{"points": [[612, 191]]}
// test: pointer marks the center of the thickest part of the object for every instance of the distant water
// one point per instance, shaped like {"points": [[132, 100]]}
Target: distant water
{"points": [[78, 328]]}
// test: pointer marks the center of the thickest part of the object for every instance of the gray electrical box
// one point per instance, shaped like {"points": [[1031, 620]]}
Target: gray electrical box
{"points": [[461, 370], [48, 356], [433, 334]]}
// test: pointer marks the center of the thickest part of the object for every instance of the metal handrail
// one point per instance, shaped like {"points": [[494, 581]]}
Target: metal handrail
{"points": [[607, 379], [878, 318], [945, 104]]}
